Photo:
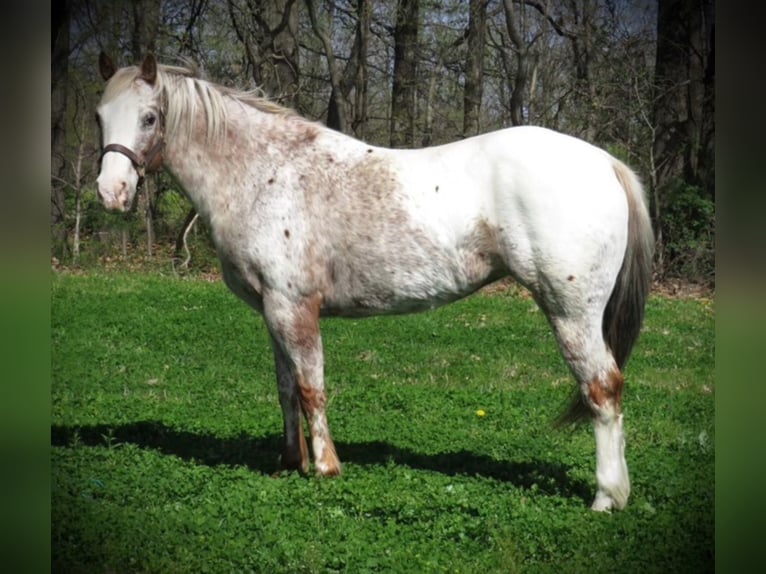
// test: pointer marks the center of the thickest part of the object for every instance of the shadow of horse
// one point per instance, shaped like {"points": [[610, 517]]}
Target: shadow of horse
{"points": [[261, 454]]}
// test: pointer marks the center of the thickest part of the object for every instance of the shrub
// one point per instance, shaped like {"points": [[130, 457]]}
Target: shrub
{"points": [[687, 221]]}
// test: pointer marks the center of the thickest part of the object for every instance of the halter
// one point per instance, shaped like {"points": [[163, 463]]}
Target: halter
{"points": [[147, 162]]}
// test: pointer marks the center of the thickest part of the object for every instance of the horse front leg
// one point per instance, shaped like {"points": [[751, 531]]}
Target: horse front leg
{"points": [[294, 327], [295, 454]]}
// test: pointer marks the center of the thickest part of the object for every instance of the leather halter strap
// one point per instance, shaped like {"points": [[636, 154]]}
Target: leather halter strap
{"points": [[127, 152], [139, 164], [146, 164]]}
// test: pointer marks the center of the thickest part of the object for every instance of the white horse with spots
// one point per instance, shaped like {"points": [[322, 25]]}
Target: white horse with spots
{"points": [[309, 222]]}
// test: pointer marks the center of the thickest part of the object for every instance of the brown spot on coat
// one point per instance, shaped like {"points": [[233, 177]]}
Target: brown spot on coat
{"points": [[571, 278], [312, 400], [287, 233], [304, 329], [601, 392], [482, 259], [309, 134]]}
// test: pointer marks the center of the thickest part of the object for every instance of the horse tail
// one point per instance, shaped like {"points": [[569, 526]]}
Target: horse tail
{"points": [[624, 312]]}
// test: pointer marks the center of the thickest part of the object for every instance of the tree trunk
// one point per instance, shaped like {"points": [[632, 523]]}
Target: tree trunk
{"points": [[684, 128], [585, 97], [707, 141], [336, 112], [670, 79], [518, 84], [268, 30], [149, 215], [78, 173], [361, 43], [59, 80], [684, 93], [474, 68], [404, 90], [146, 23]]}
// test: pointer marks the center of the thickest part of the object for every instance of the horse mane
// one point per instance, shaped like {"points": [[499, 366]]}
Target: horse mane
{"points": [[183, 91]]}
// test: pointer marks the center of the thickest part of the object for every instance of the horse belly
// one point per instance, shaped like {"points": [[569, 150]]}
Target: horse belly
{"points": [[415, 276]]}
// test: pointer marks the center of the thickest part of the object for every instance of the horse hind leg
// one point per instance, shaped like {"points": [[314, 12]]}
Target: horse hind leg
{"points": [[603, 396], [600, 399]]}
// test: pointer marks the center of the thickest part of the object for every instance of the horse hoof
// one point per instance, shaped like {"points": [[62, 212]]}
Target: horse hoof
{"points": [[602, 503], [328, 471]]}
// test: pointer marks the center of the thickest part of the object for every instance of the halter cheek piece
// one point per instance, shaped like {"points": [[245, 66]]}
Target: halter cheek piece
{"points": [[147, 162]]}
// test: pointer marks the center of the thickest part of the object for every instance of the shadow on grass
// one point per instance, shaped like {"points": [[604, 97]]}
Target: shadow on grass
{"points": [[261, 454]]}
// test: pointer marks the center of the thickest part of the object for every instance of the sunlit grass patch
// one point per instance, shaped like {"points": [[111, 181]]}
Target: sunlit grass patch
{"points": [[166, 430]]}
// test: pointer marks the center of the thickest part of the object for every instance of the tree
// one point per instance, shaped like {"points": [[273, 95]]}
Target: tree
{"points": [[684, 99], [474, 68], [521, 50], [143, 40], [584, 49], [683, 147], [146, 22], [361, 46], [406, 73], [336, 113], [268, 32], [404, 90], [59, 88], [353, 77]]}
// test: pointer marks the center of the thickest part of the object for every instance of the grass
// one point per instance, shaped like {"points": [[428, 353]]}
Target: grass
{"points": [[166, 430]]}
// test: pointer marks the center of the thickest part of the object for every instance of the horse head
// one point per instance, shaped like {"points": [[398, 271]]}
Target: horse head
{"points": [[131, 119]]}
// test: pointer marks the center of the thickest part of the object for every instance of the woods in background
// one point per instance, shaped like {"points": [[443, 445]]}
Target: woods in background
{"points": [[635, 77]]}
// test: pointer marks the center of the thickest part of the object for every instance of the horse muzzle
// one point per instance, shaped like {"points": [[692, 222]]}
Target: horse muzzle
{"points": [[116, 193]]}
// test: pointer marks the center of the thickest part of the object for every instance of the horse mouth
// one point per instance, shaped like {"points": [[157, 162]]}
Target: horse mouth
{"points": [[119, 202]]}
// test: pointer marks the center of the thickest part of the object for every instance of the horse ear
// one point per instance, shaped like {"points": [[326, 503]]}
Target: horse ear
{"points": [[106, 66], [149, 69]]}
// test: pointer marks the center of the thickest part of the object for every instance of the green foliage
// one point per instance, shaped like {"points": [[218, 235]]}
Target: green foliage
{"points": [[171, 207], [688, 231], [166, 431]]}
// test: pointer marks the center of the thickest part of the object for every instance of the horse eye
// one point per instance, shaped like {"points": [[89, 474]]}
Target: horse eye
{"points": [[149, 120]]}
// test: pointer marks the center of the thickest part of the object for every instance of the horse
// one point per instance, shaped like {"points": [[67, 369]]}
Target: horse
{"points": [[308, 222]]}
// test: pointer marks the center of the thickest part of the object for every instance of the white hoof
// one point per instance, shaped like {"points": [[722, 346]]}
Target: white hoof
{"points": [[602, 503], [605, 502]]}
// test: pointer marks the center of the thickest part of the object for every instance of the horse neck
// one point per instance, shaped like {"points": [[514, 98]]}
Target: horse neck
{"points": [[214, 173]]}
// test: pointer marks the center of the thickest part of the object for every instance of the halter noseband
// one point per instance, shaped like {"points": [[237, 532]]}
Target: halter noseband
{"points": [[146, 162]]}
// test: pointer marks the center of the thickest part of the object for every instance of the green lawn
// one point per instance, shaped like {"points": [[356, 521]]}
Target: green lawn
{"points": [[166, 429]]}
